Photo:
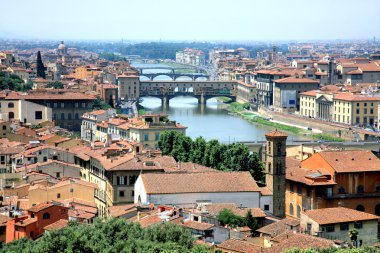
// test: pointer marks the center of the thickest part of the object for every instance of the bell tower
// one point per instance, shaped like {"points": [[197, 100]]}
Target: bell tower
{"points": [[275, 164]]}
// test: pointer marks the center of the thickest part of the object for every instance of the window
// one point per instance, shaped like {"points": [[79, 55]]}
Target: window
{"points": [[62, 116], [11, 105], [266, 207], [365, 104], [58, 175], [291, 186], [157, 136], [360, 208], [76, 116], [11, 115], [330, 228], [132, 193], [360, 189], [371, 110], [365, 110], [121, 193], [298, 211], [69, 116], [146, 137], [83, 105], [55, 116], [62, 105], [4, 127], [357, 111], [46, 216], [378, 188], [32, 215], [195, 218], [38, 115], [58, 195], [291, 209], [358, 225], [76, 105], [343, 226], [132, 180], [341, 190], [299, 189], [279, 148]]}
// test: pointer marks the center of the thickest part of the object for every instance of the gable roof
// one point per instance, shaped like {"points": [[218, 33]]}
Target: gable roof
{"points": [[166, 183], [236, 245], [338, 215], [279, 227], [351, 160], [296, 80]]}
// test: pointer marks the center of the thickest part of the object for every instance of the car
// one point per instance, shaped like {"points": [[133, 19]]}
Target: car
{"points": [[321, 141], [309, 128]]}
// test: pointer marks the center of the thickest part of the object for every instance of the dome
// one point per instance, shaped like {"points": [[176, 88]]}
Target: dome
{"points": [[62, 46]]}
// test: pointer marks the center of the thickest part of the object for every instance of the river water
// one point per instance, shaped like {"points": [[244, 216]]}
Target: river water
{"points": [[210, 121]]}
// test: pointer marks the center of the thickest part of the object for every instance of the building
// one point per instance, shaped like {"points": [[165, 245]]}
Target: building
{"points": [[286, 92], [128, 87], [89, 121], [275, 167], [33, 225], [333, 179], [189, 188], [191, 56], [335, 223], [66, 106]]}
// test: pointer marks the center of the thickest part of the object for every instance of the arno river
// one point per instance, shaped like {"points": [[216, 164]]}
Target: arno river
{"points": [[210, 121]]}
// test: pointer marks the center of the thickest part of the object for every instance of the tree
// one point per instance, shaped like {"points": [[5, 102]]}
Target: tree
{"points": [[353, 234], [251, 222], [13, 82], [256, 166], [166, 141], [181, 148], [99, 104], [227, 217], [40, 66], [55, 85], [198, 150]]}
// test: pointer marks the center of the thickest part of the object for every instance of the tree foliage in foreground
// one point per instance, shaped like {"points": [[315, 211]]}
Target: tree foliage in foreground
{"points": [[13, 82], [114, 235], [335, 250], [227, 217], [231, 157]]}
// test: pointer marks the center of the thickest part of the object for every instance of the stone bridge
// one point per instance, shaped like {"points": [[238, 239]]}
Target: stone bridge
{"points": [[202, 90], [174, 76]]}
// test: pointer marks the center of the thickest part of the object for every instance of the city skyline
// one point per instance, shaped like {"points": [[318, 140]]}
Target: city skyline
{"points": [[196, 21]]}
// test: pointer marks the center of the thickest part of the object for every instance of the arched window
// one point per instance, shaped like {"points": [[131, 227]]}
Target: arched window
{"points": [[360, 208], [377, 210], [55, 116], [11, 115], [76, 116], [378, 188], [341, 190], [291, 209], [11, 105], [279, 148], [360, 189], [62, 116], [298, 211], [46, 216]]}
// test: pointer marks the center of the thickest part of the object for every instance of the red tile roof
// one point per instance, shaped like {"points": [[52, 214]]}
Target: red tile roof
{"points": [[57, 225]]}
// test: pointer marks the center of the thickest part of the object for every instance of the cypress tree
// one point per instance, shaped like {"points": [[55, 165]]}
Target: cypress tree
{"points": [[40, 66]]}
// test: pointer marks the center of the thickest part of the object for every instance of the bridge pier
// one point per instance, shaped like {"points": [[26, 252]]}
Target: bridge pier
{"points": [[165, 101], [202, 100]]}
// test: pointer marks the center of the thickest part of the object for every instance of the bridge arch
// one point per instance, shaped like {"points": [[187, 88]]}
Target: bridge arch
{"points": [[154, 77], [183, 77]]}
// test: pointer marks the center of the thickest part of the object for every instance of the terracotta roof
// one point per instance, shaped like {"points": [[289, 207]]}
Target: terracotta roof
{"points": [[215, 208], [350, 160], [355, 97], [297, 240], [237, 245], [296, 80], [188, 167], [97, 112], [4, 219], [265, 191], [57, 225], [197, 225], [199, 182], [338, 215], [117, 211], [40, 207], [69, 95], [279, 227], [276, 134], [149, 220]]}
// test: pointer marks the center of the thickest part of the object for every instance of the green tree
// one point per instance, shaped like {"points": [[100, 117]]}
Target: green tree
{"points": [[166, 141], [99, 104], [256, 167], [251, 222], [182, 148], [55, 85], [198, 150], [227, 217], [40, 66]]}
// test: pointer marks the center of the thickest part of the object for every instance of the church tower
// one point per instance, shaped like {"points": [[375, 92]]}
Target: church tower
{"points": [[275, 164]]}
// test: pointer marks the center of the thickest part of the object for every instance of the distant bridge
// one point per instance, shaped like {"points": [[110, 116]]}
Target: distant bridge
{"points": [[174, 76], [202, 90]]}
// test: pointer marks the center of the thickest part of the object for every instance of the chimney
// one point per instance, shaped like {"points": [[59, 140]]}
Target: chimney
{"points": [[138, 216]]}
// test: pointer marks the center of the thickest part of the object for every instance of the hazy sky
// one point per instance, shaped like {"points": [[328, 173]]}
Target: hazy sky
{"points": [[190, 19]]}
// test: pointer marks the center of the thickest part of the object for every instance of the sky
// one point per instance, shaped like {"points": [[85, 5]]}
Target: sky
{"points": [[190, 20]]}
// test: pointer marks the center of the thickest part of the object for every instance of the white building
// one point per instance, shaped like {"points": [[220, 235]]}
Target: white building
{"points": [[89, 121], [189, 188], [190, 56]]}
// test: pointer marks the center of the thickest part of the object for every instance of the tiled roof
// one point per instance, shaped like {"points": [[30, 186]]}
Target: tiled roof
{"points": [[338, 215], [296, 240], [279, 227], [4, 219], [40, 207], [296, 80], [350, 160], [236, 245], [57, 225], [276, 134], [197, 225], [355, 97], [199, 182], [117, 211], [49, 96]]}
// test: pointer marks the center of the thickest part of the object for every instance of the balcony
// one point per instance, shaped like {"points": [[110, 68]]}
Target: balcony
{"points": [[353, 195]]}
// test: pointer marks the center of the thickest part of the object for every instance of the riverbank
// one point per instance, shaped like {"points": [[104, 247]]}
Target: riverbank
{"points": [[242, 111]]}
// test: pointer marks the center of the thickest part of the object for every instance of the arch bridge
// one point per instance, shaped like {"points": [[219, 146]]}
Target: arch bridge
{"points": [[202, 90], [174, 76]]}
